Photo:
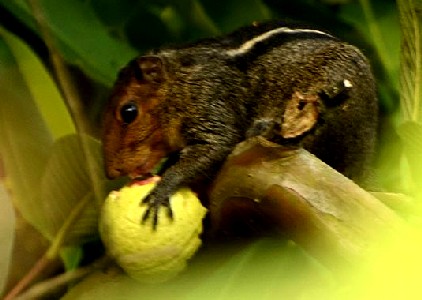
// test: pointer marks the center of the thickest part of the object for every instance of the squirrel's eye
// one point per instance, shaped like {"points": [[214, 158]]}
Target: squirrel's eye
{"points": [[129, 112]]}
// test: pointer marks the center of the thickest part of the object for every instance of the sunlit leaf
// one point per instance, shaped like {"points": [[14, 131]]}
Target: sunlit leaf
{"points": [[411, 59], [32, 114], [7, 234], [41, 86], [25, 140], [400, 203], [411, 135]]}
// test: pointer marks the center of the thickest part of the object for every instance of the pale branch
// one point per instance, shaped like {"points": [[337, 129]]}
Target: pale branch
{"points": [[266, 186]]}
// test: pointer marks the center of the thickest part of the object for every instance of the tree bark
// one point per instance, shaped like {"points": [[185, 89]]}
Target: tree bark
{"points": [[265, 186]]}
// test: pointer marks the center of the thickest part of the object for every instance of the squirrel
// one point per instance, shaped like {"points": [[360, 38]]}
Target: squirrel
{"points": [[292, 84]]}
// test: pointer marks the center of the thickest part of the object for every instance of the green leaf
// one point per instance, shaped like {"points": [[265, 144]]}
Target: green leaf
{"points": [[239, 273], [227, 15], [71, 257], [196, 15], [411, 135], [66, 194], [410, 12], [62, 211], [30, 103], [264, 269], [81, 37], [115, 286], [41, 87], [268, 268], [377, 21], [25, 141], [7, 234]]}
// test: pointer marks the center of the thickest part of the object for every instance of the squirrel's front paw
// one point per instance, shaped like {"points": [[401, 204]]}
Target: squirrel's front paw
{"points": [[154, 202]]}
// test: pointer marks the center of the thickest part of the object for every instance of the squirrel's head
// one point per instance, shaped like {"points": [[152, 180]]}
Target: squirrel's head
{"points": [[134, 136]]}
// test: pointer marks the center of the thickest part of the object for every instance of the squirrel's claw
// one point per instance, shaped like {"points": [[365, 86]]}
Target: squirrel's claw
{"points": [[154, 204]]}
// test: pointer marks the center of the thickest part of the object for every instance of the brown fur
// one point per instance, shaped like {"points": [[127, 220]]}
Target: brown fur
{"points": [[200, 102]]}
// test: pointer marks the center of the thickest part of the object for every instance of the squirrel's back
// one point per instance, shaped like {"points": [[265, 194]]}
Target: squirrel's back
{"points": [[260, 70]]}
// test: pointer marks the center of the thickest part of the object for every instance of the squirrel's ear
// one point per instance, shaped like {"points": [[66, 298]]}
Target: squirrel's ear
{"points": [[300, 116], [151, 68]]}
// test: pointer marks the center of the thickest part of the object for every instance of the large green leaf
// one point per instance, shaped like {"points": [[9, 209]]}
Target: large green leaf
{"points": [[41, 87], [32, 115], [80, 36], [25, 141], [49, 180]]}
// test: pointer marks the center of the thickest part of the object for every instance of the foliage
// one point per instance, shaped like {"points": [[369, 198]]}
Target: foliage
{"points": [[46, 164], [410, 86]]}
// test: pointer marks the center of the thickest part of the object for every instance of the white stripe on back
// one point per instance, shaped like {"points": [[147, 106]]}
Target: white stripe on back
{"points": [[247, 46]]}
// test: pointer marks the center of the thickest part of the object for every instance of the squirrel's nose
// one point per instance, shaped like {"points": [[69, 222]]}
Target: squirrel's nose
{"points": [[113, 173]]}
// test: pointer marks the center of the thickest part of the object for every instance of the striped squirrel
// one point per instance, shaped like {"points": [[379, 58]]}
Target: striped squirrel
{"points": [[293, 85]]}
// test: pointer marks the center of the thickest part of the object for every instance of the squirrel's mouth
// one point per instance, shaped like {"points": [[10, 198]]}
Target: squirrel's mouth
{"points": [[139, 172], [139, 177], [144, 170], [145, 180]]}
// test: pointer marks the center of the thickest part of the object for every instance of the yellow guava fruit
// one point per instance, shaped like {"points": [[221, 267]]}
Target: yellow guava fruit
{"points": [[147, 254]]}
